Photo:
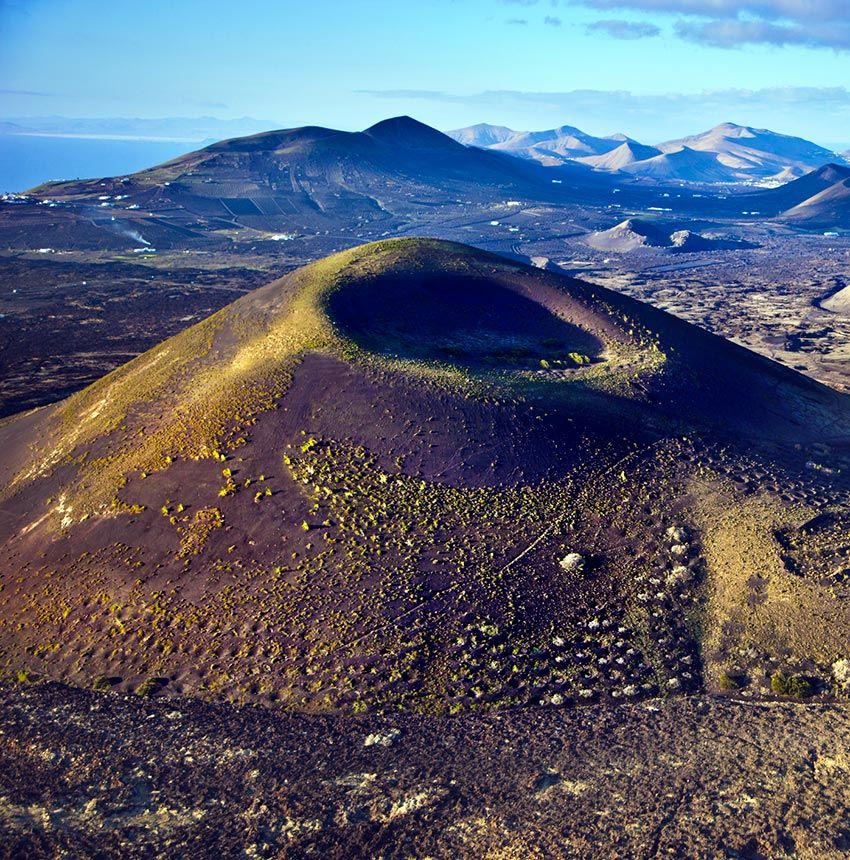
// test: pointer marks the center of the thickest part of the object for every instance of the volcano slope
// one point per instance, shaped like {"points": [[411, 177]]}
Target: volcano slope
{"points": [[418, 476], [297, 181]]}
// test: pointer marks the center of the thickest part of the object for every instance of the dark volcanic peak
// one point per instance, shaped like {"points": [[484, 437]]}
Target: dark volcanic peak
{"points": [[270, 141], [405, 131], [829, 176], [419, 476], [304, 180], [830, 173], [827, 208], [799, 192]]}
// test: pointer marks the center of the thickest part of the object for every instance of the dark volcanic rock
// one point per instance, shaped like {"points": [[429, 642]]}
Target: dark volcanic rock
{"points": [[103, 775]]}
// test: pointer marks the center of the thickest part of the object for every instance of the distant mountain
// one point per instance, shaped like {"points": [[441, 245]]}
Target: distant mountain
{"points": [[7, 127], [627, 153], [552, 147], [308, 180], [634, 233], [728, 153], [483, 134], [688, 165], [755, 153]]}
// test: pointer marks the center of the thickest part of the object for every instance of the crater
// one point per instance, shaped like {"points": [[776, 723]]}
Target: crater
{"points": [[463, 319]]}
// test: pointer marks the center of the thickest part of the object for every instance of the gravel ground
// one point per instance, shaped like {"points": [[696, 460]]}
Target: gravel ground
{"points": [[86, 774]]}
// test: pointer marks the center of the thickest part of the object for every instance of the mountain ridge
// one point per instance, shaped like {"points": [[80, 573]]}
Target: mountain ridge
{"points": [[305, 179], [742, 153]]}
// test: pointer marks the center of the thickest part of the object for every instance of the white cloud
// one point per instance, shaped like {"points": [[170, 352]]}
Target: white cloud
{"points": [[618, 29], [731, 23]]}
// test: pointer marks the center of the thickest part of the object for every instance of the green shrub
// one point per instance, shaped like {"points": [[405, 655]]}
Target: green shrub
{"points": [[102, 683], [150, 687], [790, 685], [730, 683]]}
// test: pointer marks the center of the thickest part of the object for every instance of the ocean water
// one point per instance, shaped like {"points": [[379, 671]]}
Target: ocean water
{"points": [[29, 161]]}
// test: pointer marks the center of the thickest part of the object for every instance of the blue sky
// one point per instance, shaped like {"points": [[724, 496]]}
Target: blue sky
{"points": [[654, 69]]}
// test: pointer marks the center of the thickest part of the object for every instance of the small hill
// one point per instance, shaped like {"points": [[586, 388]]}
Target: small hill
{"points": [[625, 154], [687, 240], [634, 233], [418, 476], [687, 165], [838, 302], [630, 234]]}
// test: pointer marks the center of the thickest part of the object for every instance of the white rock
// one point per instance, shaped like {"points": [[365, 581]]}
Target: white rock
{"points": [[572, 562], [384, 740], [841, 673], [678, 575]]}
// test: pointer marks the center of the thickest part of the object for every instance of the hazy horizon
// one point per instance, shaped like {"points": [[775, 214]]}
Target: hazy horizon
{"points": [[204, 129], [60, 148]]}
